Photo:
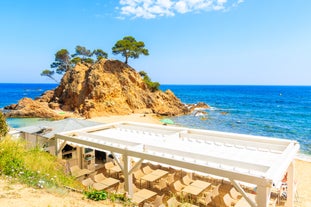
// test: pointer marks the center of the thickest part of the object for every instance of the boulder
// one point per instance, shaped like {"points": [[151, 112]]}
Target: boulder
{"points": [[27, 107], [198, 106]]}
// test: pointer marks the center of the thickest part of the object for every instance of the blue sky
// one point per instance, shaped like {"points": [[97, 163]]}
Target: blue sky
{"points": [[262, 42]]}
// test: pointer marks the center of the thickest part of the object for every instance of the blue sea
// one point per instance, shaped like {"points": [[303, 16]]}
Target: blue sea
{"points": [[11, 93], [273, 111]]}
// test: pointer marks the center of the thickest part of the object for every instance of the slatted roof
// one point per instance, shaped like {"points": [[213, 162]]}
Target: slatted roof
{"points": [[251, 159], [48, 129]]}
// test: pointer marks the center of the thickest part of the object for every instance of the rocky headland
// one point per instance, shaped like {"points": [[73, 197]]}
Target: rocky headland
{"points": [[108, 87]]}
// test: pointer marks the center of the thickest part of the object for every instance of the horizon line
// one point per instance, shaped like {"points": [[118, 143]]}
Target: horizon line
{"points": [[179, 84]]}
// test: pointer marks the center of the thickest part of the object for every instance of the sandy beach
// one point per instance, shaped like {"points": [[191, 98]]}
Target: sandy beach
{"points": [[12, 195], [143, 118], [303, 172]]}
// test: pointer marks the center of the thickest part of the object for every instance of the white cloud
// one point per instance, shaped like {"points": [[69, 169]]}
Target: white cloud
{"points": [[154, 8], [181, 7]]}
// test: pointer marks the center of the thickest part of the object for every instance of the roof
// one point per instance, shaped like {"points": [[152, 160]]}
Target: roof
{"points": [[48, 129], [251, 159]]}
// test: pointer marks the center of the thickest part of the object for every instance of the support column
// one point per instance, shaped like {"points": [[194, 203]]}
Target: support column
{"points": [[240, 189], [290, 185], [263, 196], [128, 178], [118, 161]]}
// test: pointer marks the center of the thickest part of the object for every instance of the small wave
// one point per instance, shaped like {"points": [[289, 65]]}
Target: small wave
{"points": [[213, 108], [305, 157], [219, 109], [200, 109], [30, 90]]}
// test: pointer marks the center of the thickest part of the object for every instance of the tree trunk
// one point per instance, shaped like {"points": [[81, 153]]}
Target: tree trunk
{"points": [[126, 59]]}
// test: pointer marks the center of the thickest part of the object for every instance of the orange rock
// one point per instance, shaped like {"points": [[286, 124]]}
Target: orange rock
{"points": [[108, 87]]}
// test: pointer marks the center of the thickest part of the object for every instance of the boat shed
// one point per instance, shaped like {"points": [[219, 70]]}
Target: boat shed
{"points": [[259, 161]]}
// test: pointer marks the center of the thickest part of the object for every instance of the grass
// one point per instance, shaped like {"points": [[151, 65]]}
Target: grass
{"points": [[39, 169], [33, 167]]}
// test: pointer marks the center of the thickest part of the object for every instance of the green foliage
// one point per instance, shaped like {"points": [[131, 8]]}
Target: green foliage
{"points": [[48, 73], [62, 61], [96, 195], [100, 54], [82, 51], [121, 198], [11, 161], [4, 129], [33, 167], [128, 47], [39, 169], [76, 60], [153, 86], [82, 55], [88, 60]]}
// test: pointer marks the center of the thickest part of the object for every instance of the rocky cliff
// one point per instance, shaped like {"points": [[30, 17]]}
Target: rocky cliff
{"points": [[105, 88]]}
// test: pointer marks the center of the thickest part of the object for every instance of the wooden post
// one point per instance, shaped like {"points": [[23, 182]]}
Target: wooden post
{"points": [[290, 185], [263, 196], [128, 178]]}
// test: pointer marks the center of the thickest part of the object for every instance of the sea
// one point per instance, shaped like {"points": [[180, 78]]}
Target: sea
{"points": [[271, 111]]}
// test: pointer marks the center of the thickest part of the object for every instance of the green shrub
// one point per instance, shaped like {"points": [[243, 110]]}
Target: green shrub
{"points": [[119, 197], [153, 86], [33, 167], [4, 129], [96, 195], [11, 157]]}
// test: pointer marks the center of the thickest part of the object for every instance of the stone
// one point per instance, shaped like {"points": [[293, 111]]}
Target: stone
{"points": [[108, 87]]}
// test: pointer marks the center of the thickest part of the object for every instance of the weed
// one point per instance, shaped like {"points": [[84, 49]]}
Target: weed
{"points": [[96, 195]]}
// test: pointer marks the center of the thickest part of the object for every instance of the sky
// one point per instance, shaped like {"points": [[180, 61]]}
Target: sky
{"points": [[222, 42]]}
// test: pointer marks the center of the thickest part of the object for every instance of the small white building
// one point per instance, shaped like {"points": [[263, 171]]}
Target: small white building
{"points": [[43, 133]]}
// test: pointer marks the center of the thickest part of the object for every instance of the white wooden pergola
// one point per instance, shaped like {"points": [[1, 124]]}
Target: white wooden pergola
{"points": [[262, 161]]}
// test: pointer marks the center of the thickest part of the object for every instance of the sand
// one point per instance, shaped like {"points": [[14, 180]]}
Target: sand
{"points": [[142, 118], [16, 195], [303, 179]]}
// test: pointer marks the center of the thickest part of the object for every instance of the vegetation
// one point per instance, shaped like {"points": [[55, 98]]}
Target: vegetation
{"points": [[4, 129], [153, 86], [99, 53], [96, 195], [33, 167], [64, 61], [49, 73], [128, 47], [39, 169]]}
